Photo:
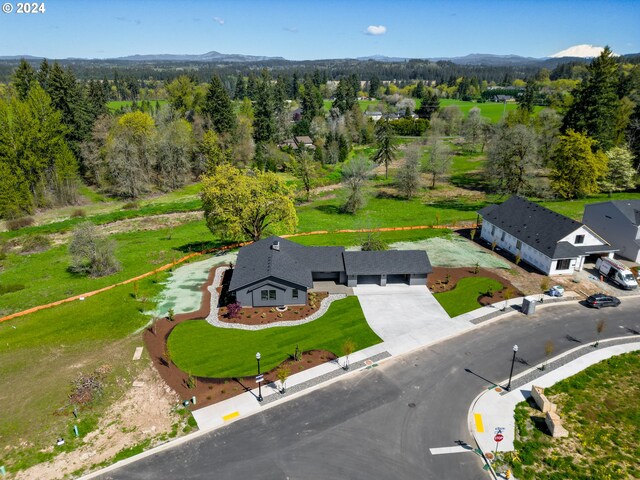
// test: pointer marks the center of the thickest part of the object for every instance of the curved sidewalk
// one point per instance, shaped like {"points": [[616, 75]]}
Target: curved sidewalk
{"points": [[495, 409]]}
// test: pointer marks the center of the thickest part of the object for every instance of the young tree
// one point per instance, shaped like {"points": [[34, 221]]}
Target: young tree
{"points": [[472, 128], [373, 243], [217, 107], [305, 169], [408, 178], [282, 374], [348, 347], [91, 253], [355, 175], [512, 158], [438, 161], [244, 205], [620, 172], [577, 169], [385, 145]]}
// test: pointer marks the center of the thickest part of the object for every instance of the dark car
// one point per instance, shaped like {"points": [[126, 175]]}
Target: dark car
{"points": [[600, 300]]}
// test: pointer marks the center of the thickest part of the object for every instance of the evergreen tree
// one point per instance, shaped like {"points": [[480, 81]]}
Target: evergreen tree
{"points": [[346, 95], [252, 86], [419, 90], [22, 79], [374, 86], [385, 145], [429, 105], [43, 74], [596, 102], [264, 110], [294, 87], [217, 107], [241, 88]]}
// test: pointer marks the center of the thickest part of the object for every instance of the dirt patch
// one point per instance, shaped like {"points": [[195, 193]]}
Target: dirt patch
{"points": [[211, 390], [141, 413], [444, 279]]}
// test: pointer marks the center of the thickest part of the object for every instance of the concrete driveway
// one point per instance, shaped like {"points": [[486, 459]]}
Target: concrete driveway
{"points": [[406, 317]]}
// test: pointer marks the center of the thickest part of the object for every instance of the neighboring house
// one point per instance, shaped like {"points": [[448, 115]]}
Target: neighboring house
{"points": [[304, 140], [503, 98], [275, 271], [550, 242], [375, 115], [619, 221]]}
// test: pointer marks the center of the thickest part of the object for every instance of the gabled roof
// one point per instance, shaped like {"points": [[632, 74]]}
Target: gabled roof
{"points": [[292, 262], [390, 262], [629, 208], [533, 225]]}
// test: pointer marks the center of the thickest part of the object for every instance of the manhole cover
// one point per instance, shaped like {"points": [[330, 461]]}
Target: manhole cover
{"points": [[412, 405], [498, 389]]}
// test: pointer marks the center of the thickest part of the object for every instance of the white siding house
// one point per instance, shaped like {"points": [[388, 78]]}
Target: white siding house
{"points": [[548, 241]]}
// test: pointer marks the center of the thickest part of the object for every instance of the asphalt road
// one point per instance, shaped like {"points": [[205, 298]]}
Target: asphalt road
{"points": [[380, 423]]}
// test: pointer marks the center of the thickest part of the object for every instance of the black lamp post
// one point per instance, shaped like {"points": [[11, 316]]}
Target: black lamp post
{"points": [[513, 360], [259, 381]]}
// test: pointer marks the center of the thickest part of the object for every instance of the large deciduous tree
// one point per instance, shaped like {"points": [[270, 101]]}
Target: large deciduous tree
{"points": [[306, 170], [620, 172], [173, 149], [241, 205], [130, 155], [438, 161], [577, 166], [512, 158]]}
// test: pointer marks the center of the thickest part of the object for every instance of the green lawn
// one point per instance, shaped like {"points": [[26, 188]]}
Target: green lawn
{"points": [[355, 239], [575, 208], [45, 276], [364, 104], [206, 351], [600, 407], [43, 352], [464, 297], [491, 110]]}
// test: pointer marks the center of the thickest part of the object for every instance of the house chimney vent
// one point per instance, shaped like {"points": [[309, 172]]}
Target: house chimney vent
{"points": [[275, 246]]}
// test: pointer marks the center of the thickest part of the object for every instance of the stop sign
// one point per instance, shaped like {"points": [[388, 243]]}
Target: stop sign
{"points": [[498, 438]]}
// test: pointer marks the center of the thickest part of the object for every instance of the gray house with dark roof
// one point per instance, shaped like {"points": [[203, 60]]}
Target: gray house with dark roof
{"points": [[546, 240], [274, 271], [619, 221]]}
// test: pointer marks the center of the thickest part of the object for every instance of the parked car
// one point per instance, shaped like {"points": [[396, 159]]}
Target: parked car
{"points": [[600, 300]]}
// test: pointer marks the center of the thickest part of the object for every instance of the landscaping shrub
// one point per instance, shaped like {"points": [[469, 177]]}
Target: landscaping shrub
{"points": [[92, 253], [34, 244], [18, 223]]}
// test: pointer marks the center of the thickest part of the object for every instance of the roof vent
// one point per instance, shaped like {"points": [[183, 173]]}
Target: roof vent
{"points": [[275, 246]]}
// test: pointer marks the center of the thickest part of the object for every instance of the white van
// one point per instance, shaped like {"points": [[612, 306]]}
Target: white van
{"points": [[617, 272]]}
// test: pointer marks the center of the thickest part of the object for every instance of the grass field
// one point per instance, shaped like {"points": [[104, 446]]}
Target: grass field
{"points": [[464, 297], [202, 350], [44, 352], [600, 407], [491, 110], [364, 104]]}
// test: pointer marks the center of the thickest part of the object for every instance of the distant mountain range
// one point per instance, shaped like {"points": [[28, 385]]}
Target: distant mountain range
{"points": [[575, 53]]}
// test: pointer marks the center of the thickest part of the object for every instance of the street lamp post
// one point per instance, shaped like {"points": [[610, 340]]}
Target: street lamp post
{"points": [[513, 360], [259, 382]]}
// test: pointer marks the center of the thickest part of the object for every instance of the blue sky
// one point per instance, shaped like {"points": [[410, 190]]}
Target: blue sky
{"points": [[319, 29]]}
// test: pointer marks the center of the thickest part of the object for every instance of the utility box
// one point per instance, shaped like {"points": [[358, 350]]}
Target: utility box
{"points": [[529, 306]]}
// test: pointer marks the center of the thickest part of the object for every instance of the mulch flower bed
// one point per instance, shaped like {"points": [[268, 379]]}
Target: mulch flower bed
{"points": [[444, 279], [212, 390]]}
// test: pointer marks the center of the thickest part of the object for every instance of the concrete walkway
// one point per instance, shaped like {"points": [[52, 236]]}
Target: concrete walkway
{"points": [[407, 317], [494, 408]]}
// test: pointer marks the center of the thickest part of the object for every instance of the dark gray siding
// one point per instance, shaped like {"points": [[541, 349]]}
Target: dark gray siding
{"points": [[611, 224], [251, 296], [417, 279]]}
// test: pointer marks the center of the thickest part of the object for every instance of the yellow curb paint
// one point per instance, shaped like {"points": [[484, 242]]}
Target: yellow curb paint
{"points": [[231, 415], [479, 425]]}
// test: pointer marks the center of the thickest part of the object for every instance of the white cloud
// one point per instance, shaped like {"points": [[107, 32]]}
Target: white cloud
{"points": [[376, 30], [218, 20], [291, 29]]}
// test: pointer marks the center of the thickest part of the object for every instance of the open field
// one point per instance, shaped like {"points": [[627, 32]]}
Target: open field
{"points": [[202, 350], [599, 407], [491, 110], [44, 352]]}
